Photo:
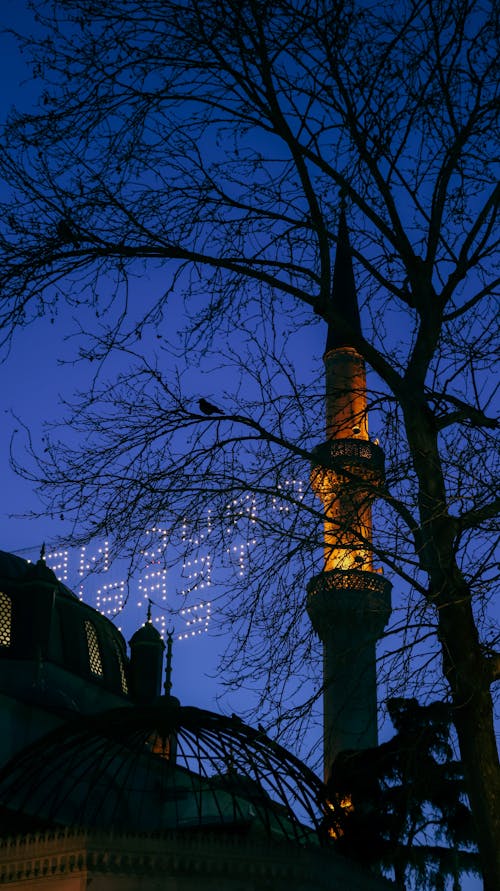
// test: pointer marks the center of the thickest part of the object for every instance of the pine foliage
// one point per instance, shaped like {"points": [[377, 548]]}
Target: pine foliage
{"points": [[401, 806]]}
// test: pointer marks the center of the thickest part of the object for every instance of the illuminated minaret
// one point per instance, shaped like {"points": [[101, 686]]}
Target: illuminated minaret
{"points": [[349, 602]]}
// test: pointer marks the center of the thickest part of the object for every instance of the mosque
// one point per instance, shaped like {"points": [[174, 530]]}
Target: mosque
{"points": [[107, 781]]}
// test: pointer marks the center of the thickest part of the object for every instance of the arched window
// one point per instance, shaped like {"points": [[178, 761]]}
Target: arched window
{"points": [[5, 619], [121, 666], [95, 660]]}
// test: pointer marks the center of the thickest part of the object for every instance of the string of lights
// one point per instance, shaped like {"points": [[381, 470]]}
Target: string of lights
{"points": [[106, 585]]}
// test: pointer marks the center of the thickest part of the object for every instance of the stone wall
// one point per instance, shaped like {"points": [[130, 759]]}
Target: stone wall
{"points": [[72, 860]]}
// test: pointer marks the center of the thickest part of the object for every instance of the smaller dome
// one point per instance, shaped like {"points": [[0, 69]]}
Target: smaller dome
{"points": [[16, 570], [147, 634], [40, 572], [146, 662]]}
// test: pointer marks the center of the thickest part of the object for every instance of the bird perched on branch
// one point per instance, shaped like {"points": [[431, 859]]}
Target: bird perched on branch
{"points": [[208, 408], [66, 233]]}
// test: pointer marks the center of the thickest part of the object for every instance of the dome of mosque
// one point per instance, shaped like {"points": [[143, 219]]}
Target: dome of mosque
{"points": [[147, 633], [42, 621], [161, 767]]}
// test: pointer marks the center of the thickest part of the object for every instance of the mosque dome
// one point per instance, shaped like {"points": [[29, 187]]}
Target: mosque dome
{"points": [[43, 622], [163, 767], [147, 634]]}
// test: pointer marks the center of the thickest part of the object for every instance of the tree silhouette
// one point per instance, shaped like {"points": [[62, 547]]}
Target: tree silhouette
{"points": [[388, 801], [208, 142]]}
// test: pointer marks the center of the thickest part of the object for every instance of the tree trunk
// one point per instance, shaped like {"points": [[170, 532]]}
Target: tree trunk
{"points": [[466, 669], [468, 675]]}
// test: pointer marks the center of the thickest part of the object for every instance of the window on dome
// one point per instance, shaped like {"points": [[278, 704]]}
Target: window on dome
{"points": [[5, 619], [94, 651], [123, 676]]}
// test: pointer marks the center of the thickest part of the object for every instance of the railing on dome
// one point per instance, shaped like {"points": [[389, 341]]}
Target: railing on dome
{"points": [[339, 454]]}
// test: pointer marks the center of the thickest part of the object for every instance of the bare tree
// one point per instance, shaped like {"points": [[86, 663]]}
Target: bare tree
{"points": [[208, 141]]}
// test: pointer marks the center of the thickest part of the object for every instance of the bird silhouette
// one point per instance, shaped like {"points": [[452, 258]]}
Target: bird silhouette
{"points": [[66, 234], [208, 408]]}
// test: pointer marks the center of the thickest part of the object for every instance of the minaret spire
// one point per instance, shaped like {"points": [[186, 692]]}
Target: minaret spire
{"points": [[349, 602], [344, 298]]}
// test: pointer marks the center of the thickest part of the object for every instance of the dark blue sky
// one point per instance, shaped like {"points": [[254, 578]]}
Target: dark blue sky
{"points": [[32, 381], [34, 377], [37, 374]]}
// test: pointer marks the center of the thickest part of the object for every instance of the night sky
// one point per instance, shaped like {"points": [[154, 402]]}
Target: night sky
{"points": [[33, 378], [37, 373]]}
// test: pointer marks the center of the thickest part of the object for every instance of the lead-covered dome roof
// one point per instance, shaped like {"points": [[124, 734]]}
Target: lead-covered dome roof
{"points": [[162, 767], [42, 620], [14, 569]]}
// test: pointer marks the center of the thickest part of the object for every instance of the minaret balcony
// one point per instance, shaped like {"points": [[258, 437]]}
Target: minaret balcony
{"points": [[341, 597], [359, 457]]}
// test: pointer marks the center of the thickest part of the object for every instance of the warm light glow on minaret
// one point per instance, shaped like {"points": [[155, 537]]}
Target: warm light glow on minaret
{"points": [[349, 602], [348, 523]]}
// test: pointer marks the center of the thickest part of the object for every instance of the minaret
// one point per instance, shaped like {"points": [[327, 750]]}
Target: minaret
{"points": [[349, 602]]}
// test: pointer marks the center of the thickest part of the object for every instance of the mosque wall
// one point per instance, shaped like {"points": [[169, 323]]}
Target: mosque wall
{"points": [[70, 860]]}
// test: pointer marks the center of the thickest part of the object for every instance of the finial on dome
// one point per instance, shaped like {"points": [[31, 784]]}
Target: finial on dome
{"points": [[42, 553], [148, 617]]}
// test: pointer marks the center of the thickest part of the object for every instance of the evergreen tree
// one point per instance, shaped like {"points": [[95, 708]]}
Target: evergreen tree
{"points": [[401, 806]]}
